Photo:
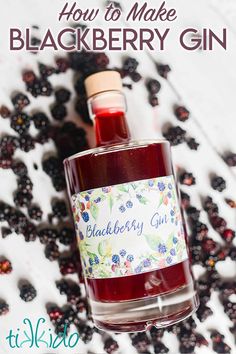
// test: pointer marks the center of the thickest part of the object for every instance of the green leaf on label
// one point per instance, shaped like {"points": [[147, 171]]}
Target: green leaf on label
{"points": [[102, 248], [153, 241], [94, 211], [123, 188], [142, 200], [110, 202], [91, 255], [160, 201], [169, 243]]}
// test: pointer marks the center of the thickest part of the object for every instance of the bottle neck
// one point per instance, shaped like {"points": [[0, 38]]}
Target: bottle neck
{"points": [[107, 110]]}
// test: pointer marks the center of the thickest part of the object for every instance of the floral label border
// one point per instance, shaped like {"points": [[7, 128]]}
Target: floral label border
{"points": [[130, 228]]}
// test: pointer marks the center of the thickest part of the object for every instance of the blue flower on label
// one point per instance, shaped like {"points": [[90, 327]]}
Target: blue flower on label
{"points": [[90, 270], [138, 196], [175, 240], [138, 269], [122, 253], [161, 248], [87, 197], [96, 259], [85, 216], [172, 252], [168, 260], [81, 236], [105, 189], [130, 257], [122, 209], [129, 204], [169, 195], [161, 186], [91, 262], [115, 258], [170, 186], [97, 200], [146, 262], [172, 213], [151, 183]]}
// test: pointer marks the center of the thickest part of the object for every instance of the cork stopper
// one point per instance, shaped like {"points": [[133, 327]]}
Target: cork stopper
{"points": [[102, 82]]}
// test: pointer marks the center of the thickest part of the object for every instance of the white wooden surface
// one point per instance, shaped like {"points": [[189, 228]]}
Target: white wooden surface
{"points": [[203, 81]]}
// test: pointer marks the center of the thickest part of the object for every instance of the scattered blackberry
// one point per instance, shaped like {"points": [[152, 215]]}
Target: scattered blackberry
{"points": [[185, 199], [55, 314], [62, 65], [52, 251], [19, 168], [45, 88], [230, 159], [196, 254], [211, 208], [52, 166], [62, 95], [209, 246], [40, 120], [82, 305], [22, 199], [5, 267], [26, 142], [86, 332], [8, 145], [193, 213], [4, 308], [59, 111], [20, 122], [67, 236], [5, 112], [218, 183], [27, 292], [135, 77], [110, 345], [218, 223], [29, 232], [163, 70], [175, 135], [47, 235], [160, 348], [130, 65], [140, 341], [59, 209], [218, 343], [24, 184], [228, 235], [67, 265], [153, 86], [5, 211], [156, 334], [5, 163], [187, 341], [35, 212], [5, 232], [201, 340], [181, 113], [46, 70], [20, 101], [59, 183], [203, 312], [81, 108], [231, 203], [29, 77], [200, 230], [192, 144], [63, 286], [79, 86], [153, 100], [101, 61], [187, 179]]}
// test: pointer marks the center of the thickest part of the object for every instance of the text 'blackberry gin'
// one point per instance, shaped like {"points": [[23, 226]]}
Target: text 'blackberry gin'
{"points": [[129, 226]]}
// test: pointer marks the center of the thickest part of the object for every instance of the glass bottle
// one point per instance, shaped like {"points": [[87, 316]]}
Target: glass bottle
{"points": [[130, 230]]}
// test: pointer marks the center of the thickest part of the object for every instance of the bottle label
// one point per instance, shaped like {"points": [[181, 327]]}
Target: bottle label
{"points": [[129, 228]]}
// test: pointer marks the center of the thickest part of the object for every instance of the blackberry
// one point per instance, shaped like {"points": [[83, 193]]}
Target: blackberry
{"points": [[230, 310], [40, 120], [209, 246], [29, 77], [110, 345], [79, 86], [130, 65], [82, 305], [160, 348], [62, 95], [4, 308], [26, 142], [81, 108], [55, 314], [185, 199], [29, 232], [22, 199], [86, 332], [52, 166], [5, 163], [175, 135], [140, 341], [192, 144], [156, 334], [135, 77], [35, 212], [67, 236], [20, 101], [218, 183], [101, 61], [228, 235], [59, 183], [59, 111], [210, 207], [27, 292], [24, 184], [8, 145], [230, 159], [47, 235], [187, 341], [218, 343], [52, 251], [203, 312], [201, 340], [153, 100], [163, 70], [232, 253], [200, 230], [17, 220], [45, 88], [5, 266], [19, 168], [63, 286], [59, 209], [46, 70], [153, 86], [5, 211], [20, 122], [187, 179], [62, 65], [5, 112], [5, 232], [67, 265], [218, 223], [196, 254], [181, 113], [193, 213]]}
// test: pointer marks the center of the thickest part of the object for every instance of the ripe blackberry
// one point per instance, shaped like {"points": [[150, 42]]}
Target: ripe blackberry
{"points": [[101, 61], [20, 122], [46, 70], [130, 65], [203, 312], [5, 266], [62, 65], [218, 343], [22, 199], [27, 292], [230, 309], [187, 179], [81, 108], [55, 314], [79, 86], [210, 207], [52, 251], [82, 305], [156, 334], [153, 100], [163, 70], [59, 209], [67, 236], [192, 144], [45, 88], [110, 345], [230, 159], [52, 166], [4, 308], [16, 220], [181, 113], [5, 232], [5, 163], [209, 246], [40, 120], [29, 232], [59, 111], [5, 112], [19, 168], [67, 265], [62, 95], [29, 77], [160, 348], [228, 235], [175, 135], [153, 86], [86, 332], [218, 183], [5, 211], [8, 145], [187, 341], [201, 340], [196, 254], [218, 223], [20, 101], [193, 213], [59, 182], [24, 184], [185, 199], [47, 235], [200, 230], [26, 142], [35, 212], [135, 77]]}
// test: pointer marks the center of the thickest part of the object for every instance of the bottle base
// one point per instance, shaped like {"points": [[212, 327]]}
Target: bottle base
{"points": [[140, 315]]}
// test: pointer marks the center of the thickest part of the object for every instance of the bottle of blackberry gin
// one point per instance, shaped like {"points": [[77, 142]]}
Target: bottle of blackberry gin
{"points": [[128, 221]]}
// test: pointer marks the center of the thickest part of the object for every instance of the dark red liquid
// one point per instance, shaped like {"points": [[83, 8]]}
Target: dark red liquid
{"points": [[119, 165]]}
